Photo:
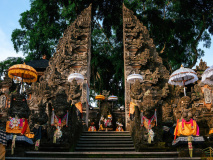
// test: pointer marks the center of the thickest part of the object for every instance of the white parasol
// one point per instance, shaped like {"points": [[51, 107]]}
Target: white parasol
{"points": [[77, 76], [133, 77], [182, 77], [112, 98], [207, 76]]}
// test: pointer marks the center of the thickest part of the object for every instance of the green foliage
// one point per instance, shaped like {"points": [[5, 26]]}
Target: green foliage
{"points": [[176, 27], [10, 61]]}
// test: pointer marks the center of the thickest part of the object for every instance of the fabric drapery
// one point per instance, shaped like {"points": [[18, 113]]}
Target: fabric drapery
{"points": [[131, 108], [58, 121], [185, 128], [149, 123], [21, 127]]}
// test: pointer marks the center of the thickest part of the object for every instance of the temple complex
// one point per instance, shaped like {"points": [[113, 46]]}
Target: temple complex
{"points": [[53, 114]]}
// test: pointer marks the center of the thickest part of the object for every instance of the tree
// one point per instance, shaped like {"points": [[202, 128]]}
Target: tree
{"points": [[10, 61], [176, 27]]}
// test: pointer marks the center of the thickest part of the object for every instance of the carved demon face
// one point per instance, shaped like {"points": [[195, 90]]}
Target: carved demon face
{"points": [[19, 106], [148, 106], [60, 104]]}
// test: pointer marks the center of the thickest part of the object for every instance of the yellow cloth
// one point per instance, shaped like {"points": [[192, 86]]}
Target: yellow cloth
{"points": [[131, 108], [2, 152], [92, 129], [101, 127], [79, 106], [18, 130], [187, 130]]}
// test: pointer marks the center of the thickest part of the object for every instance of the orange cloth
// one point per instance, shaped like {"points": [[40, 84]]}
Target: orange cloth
{"points": [[92, 129], [131, 108], [19, 129], [119, 130], [146, 124], [211, 131], [79, 106], [186, 130]]}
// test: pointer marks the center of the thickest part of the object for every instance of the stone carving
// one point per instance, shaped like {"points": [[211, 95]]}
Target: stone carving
{"points": [[207, 96], [136, 91], [183, 109], [72, 55], [3, 101], [74, 92], [201, 68], [60, 118], [18, 106], [140, 56]]}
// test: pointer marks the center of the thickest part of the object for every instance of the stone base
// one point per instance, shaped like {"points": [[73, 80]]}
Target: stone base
{"points": [[107, 129], [184, 140]]}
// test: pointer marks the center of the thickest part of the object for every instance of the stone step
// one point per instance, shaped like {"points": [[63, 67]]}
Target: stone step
{"points": [[100, 154], [38, 155], [43, 158], [105, 133], [105, 149], [105, 145], [105, 142], [106, 136], [105, 139]]}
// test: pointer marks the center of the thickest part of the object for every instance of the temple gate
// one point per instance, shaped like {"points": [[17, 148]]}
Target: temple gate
{"points": [[72, 55], [140, 57]]}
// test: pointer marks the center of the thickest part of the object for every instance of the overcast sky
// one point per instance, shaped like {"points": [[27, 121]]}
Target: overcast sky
{"points": [[10, 11]]}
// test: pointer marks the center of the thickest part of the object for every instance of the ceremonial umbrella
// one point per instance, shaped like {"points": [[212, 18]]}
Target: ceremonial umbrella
{"points": [[207, 76], [100, 97], [77, 76], [26, 73], [112, 98], [182, 77], [133, 77]]}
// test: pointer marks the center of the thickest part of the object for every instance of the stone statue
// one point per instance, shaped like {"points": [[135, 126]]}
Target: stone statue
{"points": [[74, 91], [17, 125], [60, 130], [185, 126]]}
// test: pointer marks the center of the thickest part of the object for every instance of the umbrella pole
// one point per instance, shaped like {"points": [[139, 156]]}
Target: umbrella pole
{"points": [[184, 88], [184, 91]]}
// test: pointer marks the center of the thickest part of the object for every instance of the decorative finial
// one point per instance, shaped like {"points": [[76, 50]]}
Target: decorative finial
{"points": [[181, 65]]}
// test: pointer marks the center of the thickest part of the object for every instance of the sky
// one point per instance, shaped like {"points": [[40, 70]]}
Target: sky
{"points": [[10, 11]]}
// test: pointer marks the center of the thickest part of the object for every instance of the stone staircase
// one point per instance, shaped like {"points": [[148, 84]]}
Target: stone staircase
{"points": [[102, 146], [105, 142]]}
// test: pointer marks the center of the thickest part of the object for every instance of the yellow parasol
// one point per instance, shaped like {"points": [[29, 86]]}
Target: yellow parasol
{"points": [[26, 73], [100, 97]]}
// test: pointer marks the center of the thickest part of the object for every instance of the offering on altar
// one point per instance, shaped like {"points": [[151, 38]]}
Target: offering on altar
{"points": [[105, 123], [149, 124], [17, 127], [92, 127], [119, 127], [186, 128]]}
